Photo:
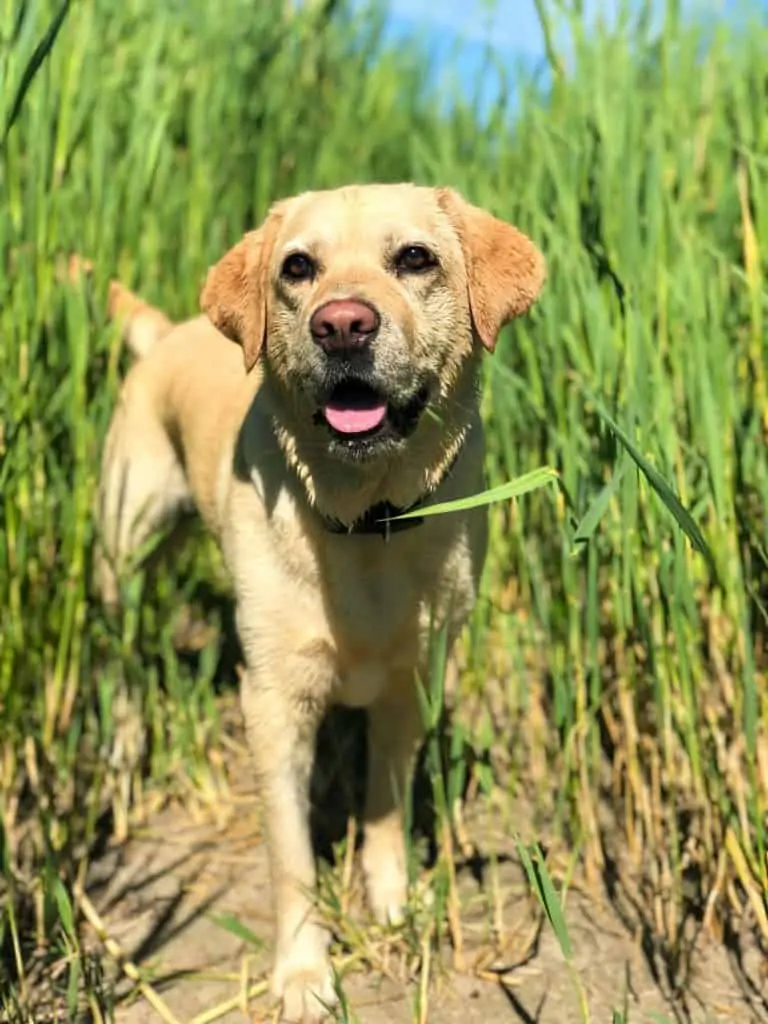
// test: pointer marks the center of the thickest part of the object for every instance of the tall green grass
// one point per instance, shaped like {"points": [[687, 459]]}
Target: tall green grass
{"points": [[608, 654]]}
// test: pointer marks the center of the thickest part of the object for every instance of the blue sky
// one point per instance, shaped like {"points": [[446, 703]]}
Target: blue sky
{"points": [[512, 27]]}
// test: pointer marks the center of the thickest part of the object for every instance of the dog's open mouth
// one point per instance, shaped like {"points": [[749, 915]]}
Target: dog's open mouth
{"points": [[361, 419], [355, 409]]}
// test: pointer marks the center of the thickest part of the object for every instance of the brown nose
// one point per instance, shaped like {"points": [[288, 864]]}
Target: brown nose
{"points": [[343, 324]]}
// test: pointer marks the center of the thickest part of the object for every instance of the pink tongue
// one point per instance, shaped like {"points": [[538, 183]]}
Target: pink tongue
{"points": [[349, 420]]}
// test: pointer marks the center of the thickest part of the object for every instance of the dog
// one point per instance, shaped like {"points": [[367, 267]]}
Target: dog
{"points": [[361, 315]]}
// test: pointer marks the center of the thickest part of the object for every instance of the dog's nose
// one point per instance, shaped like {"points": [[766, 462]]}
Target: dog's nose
{"points": [[344, 324]]}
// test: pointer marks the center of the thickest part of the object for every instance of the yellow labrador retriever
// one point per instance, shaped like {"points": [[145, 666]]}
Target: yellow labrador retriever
{"points": [[361, 314]]}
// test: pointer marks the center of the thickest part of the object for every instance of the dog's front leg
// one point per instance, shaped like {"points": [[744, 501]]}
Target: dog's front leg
{"points": [[282, 708], [395, 730]]}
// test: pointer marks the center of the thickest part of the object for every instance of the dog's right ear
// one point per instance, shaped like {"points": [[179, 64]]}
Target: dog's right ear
{"points": [[234, 296]]}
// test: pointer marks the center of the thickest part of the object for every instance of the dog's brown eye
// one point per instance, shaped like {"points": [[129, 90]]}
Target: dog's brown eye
{"points": [[298, 267], [413, 259]]}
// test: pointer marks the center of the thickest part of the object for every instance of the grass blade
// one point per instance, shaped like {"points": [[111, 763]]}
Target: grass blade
{"points": [[502, 492], [36, 61], [589, 522], [232, 924], [663, 489], [542, 885]]}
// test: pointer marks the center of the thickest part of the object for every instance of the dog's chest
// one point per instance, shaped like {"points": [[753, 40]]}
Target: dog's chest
{"points": [[381, 600], [362, 607]]}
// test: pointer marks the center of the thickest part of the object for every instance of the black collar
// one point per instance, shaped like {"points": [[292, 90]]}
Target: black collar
{"points": [[381, 519], [378, 519]]}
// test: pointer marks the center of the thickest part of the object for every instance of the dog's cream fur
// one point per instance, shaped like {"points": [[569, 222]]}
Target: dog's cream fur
{"points": [[323, 617]]}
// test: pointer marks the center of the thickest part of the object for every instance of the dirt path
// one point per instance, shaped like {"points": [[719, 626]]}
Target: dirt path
{"points": [[162, 893]]}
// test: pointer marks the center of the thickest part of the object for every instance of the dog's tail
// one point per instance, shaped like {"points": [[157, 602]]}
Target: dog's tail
{"points": [[143, 325]]}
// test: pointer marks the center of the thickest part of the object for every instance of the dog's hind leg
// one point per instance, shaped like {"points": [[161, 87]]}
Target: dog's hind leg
{"points": [[142, 486], [142, 489]]}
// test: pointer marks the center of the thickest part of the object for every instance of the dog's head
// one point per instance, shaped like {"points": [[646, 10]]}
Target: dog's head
{"points": [[366, 303]]}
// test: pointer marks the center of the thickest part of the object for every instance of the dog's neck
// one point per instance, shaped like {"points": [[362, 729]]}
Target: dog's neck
{"points": [[385, 519], [360, 500]]}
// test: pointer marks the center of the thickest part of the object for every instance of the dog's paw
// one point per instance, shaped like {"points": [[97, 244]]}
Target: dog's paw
{"points": [[386, 885], [387, 907], [305, 990]]}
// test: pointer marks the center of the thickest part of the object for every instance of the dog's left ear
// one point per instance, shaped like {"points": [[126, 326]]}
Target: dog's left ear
{"points": [[234, 296], [505, 270]]}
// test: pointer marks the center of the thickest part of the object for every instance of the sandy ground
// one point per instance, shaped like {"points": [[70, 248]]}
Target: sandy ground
{"points": [[162, 893]]}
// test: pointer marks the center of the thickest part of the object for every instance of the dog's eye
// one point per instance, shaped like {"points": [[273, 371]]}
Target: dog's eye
{"points": [[298, 267], [414, 259]]}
